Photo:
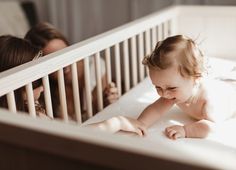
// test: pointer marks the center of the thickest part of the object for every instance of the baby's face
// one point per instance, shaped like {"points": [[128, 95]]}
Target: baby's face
{"points": [[171, 85]]}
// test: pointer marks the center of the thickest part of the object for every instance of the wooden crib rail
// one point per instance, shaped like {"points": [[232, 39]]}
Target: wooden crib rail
{"points": [[122, 49], [37, 144]]}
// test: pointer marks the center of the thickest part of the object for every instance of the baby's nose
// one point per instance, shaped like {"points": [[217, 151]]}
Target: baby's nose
{"points": [[165, 94]]}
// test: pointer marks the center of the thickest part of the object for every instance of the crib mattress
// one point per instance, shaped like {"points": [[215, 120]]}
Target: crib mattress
{"points": [[221, 143]]}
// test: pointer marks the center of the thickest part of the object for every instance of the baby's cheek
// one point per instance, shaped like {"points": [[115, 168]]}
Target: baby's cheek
{"points": [[183, 95]]}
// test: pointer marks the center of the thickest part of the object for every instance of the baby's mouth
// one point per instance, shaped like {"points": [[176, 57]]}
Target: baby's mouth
{"points": [[174, 99]]}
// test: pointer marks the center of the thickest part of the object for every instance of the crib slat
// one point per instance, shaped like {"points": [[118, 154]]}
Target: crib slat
{"points": [[11, 101], [154, 38], [62, 95], [88, 88], [141, 56], [108, 64], [47, 96], [134, 60], [99, 81], [126, 65], [160, 33], [30, 99], [117, 68], [147, 47], [75, 86], [172, 27], [166, 29], [147, 42]]}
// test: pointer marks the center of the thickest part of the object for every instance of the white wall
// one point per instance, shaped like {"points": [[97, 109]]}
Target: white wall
{"points": [[81, 19]]}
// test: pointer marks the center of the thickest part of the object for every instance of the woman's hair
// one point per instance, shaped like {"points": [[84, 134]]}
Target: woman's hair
{"points": [[14, 52], [177, 50], [42, 33]]}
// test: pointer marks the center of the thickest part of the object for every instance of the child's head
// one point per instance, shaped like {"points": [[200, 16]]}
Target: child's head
{"points": [[179, 51], [175, 66], [14, 52], [46, 37]]}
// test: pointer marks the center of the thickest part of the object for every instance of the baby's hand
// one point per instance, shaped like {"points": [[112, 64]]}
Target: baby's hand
{"points": [[132, 125], [174, 132], [110, 94]]}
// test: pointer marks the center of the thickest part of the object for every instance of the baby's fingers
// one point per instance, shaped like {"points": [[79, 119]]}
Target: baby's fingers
{"points": [[170, 133], [143, 129], [113, 90], [177, 135], [112, 84], [139, 132]]}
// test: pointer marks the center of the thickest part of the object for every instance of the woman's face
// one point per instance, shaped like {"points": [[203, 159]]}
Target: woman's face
{"points": [[53, 46], [171, 85]]}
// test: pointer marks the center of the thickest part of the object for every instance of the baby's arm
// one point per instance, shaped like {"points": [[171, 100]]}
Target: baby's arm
{"points": [[199, 129], [118, 123], [154, 111]]}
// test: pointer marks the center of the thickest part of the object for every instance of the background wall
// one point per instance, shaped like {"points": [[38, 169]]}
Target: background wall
{"points": [[81, 19]]}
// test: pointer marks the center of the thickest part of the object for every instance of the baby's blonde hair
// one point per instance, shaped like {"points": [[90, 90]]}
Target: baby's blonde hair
{"points": [[179, 50]]}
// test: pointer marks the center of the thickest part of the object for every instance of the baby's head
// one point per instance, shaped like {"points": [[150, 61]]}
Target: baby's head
{"points": [[175, 67], [179, 51]]}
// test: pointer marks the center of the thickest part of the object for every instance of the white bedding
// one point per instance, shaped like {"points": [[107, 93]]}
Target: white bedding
{"points": [[133, 102]]}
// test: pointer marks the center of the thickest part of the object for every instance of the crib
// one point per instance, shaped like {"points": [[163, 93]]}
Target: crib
{"points": [[29, 142]]}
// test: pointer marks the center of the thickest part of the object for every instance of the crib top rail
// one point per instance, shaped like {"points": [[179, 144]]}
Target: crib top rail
{"points": [[29, 72]]}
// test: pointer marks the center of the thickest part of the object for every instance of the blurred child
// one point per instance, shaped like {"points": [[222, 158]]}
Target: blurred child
{"points": [[14, 52]]}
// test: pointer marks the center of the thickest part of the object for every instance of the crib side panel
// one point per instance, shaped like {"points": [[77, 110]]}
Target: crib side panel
{"points": [[115, 56]]}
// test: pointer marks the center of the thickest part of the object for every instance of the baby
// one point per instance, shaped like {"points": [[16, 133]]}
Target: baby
{"points": [[176, 69]]}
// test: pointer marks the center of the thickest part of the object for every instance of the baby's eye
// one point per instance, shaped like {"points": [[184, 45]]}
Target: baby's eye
{"points": [[172, 88]]}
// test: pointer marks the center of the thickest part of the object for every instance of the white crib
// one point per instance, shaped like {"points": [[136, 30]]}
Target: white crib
{"points": [[36, 143]]}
